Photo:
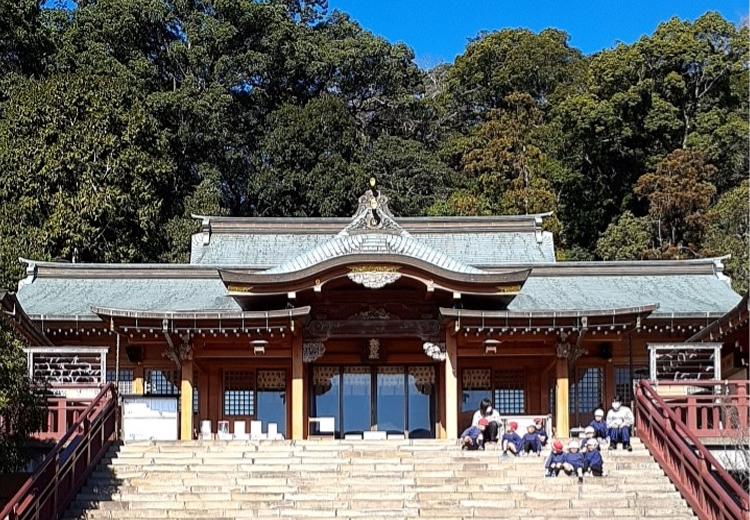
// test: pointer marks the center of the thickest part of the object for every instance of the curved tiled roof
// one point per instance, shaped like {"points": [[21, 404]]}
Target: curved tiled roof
{"points": [[373, 243]]}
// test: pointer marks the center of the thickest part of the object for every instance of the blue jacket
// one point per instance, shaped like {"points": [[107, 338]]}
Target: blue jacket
{"points": [[554, 458], [473, 432], [532, 438], [600, 429], [512, 437], [575, 459], [593, 460]]}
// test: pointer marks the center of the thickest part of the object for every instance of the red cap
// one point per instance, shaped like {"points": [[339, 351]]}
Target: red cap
{"points": [[513, 425], [483, 422], [557, 446]]}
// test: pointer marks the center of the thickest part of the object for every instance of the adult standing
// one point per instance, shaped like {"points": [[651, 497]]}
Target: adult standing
{"points": [[485, 411]]}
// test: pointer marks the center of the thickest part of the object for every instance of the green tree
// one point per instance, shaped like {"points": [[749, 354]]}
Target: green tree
{"points": [[728, 232], [413, 177], [308, 161], [627, 238], [678, 192], [85, 168], [24, 38], [513, 60], [22, 404]]}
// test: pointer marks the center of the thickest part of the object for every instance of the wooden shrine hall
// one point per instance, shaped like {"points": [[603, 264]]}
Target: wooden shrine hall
{"points": [[371, 323]]}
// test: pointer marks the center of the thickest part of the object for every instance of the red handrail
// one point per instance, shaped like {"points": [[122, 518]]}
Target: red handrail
{"points": [[720, 411], [47, 493], [703, 482]]}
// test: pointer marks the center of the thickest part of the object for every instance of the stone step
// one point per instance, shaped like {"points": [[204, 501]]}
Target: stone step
{"points": [[343, 479]]}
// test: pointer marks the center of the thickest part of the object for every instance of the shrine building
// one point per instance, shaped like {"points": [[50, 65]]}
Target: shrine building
{"points": [[372, 323]]}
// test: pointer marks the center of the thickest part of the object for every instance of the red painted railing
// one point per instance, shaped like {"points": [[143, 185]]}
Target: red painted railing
{"points": [[48, 492], [710, 408], [703, 482], [62, 413]]}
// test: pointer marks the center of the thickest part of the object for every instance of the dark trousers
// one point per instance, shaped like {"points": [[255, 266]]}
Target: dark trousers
{"points": [[535, 446], [491, 432], [620, 435]]}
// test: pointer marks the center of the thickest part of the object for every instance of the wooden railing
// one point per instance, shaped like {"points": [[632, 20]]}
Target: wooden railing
{"points": [[717, 409], [48, 492], [703, 482], [63, 412]]}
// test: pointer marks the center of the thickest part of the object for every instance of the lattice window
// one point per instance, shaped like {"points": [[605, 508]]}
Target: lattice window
{"points": [[623, 383], [125, 385], [239, 399], [510, 397], [162, 382], [586, 394], [476, 378], [476, 386], [274, 380], [424, 378]]}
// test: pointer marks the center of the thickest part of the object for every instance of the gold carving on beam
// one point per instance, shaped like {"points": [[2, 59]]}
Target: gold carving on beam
{"points": [[374, 276], [508, 289], [234, 288], [373, 268]]}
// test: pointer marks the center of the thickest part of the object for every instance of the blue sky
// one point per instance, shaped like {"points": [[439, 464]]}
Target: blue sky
{"points": [[438, 30]]}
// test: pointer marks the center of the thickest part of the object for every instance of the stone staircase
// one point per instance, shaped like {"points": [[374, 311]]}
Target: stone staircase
{"points": [[362, 479]]}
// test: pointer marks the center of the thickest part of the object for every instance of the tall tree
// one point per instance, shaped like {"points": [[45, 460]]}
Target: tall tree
{"points": [[512, 60], [728, 232], [679, 191]]}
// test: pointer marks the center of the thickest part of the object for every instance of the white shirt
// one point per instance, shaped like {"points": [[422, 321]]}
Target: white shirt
{"points": [[492, 417]]}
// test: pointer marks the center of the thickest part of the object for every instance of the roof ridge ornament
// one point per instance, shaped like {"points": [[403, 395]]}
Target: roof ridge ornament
{"points": [[373, 214]]}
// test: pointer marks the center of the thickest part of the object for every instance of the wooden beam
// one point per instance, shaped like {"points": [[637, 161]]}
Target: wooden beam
{"points": [[507, 352], [186, 401], [298, 390], [562, 419], [451, 387]]}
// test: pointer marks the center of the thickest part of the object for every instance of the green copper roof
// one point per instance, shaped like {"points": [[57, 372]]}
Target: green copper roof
{"points": [[76, 296], [263, 250], [72, 289], [679, 294]]}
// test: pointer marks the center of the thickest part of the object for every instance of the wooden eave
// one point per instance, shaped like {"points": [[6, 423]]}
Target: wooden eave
{"points": [[726, 325], [241, 283], [23, 324], [173, 320], [621, 319]]}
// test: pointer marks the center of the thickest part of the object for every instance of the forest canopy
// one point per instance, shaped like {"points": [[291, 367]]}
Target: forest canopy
{"points": [[120, 118]]}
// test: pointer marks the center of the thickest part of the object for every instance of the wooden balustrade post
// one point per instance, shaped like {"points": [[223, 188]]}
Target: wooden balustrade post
{"points": [[742, 406], [691, 415], [62, 417]]}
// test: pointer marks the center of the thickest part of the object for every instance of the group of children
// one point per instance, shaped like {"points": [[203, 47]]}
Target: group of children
{"points": [[575, 462], [581, 459]]}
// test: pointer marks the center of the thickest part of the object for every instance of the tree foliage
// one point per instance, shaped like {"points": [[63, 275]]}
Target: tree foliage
{"points": [[22, 407], [119, 119]]}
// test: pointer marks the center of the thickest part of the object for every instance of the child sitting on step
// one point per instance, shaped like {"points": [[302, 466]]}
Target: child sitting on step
{"points": [[554, 462], [601, 433], [472, 438], [593, 464], [539, 425], [573, 464], [511, 441], [588, 434], [531, 441]]}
